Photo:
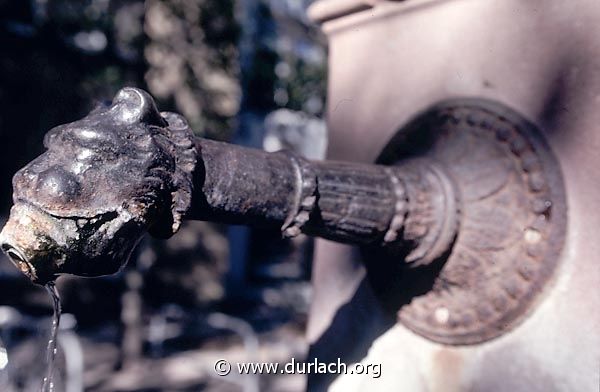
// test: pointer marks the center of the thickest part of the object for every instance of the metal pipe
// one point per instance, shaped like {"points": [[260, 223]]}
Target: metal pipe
{"points": [[82, 206], [412, 205]]}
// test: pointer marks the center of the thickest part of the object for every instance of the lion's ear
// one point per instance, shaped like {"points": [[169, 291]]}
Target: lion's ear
{"points": [[133, 105]]}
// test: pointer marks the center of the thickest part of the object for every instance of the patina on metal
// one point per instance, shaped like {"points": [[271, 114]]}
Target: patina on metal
{"points": [[466, 205], [125, 169], [512, 221], [410, 207], [82, 206]]}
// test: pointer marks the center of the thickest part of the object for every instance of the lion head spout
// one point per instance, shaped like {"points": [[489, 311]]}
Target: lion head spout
{"points": [[103, 181]]}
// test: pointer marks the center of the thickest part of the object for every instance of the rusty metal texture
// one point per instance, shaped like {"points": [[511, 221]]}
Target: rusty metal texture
{"points": [[410, 208], [464, 215], [104, 180], [512, 221]]}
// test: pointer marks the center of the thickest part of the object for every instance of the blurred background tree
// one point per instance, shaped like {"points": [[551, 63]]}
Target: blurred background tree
{"points": [[248, 71]]}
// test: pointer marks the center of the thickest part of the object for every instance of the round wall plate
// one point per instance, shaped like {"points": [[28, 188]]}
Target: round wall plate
{"points": [[511, 226]]}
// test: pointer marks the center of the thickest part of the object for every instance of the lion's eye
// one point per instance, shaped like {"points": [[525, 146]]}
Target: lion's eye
{"points": [[58, 184]]}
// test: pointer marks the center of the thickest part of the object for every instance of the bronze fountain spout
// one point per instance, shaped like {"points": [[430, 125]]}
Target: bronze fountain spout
{"points": [[124, 169], [469, 186]]}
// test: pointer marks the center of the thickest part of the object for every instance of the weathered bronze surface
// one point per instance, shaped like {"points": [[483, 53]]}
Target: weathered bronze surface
{"points": [[464, 215], [512, 221], [411, 208], [124, 169], [82, 206]]}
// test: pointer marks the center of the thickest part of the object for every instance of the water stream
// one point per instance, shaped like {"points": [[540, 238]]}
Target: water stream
{"points": [[48, 383]]}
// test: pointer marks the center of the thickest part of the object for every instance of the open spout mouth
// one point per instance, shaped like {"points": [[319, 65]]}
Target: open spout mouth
{"points": [[19, 260], [39, 270], [43, 246], [27, 241]]}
